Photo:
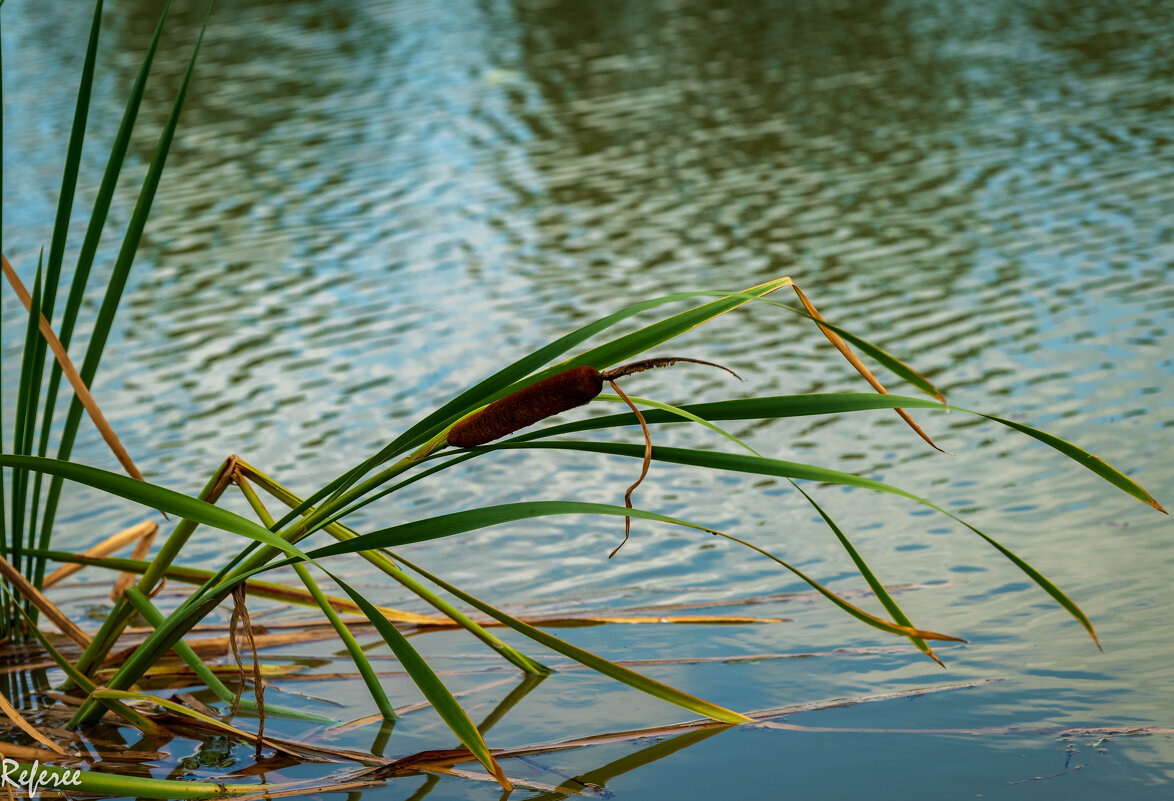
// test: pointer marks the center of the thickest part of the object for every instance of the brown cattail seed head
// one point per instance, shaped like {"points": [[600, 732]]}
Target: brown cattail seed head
{"points": [[558, 393]]}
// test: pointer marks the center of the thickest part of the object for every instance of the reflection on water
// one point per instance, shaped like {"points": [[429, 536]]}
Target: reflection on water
{"points": [[370, 205]]}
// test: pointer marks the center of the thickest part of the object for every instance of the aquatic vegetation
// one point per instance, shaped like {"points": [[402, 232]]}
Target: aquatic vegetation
{"points": [[487, 417]]}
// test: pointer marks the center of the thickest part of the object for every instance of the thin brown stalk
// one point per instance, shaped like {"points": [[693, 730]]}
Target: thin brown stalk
{"points": [[55, 616], [9, 710], [234, 621], [314, 788], [106, 547], [141, 549], [30, 753], [70, 372]]}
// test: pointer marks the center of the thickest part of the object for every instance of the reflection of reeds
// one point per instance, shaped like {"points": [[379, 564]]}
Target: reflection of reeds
{"points": [[109, 674]]}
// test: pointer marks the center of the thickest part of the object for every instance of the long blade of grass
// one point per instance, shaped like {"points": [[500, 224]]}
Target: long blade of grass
{"points": [[763, 408], [26, 406], [854, 611], [430, 685], [483, 517], [596, 663], [57, 243], [75, 381], [85, 261], [73, 157], [779, 406], [362, 664], [110, 785], [154, 496], [438, 527], [878, 588], [776, 467], [1082, 457]]}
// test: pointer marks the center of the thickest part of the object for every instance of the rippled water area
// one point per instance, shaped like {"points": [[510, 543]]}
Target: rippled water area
{"points": [[369, 206]]}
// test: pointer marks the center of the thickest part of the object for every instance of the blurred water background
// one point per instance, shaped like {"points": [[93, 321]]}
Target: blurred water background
{"points": [[371, 205]]}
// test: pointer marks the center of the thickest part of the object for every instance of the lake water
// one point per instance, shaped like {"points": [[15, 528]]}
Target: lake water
{"points": [[370, 206]]}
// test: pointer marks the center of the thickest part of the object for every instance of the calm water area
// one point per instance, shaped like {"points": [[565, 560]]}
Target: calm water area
{"points": [[370, 206]]}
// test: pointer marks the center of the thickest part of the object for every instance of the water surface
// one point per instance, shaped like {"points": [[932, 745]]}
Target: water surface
{"points": [[369, 206]]}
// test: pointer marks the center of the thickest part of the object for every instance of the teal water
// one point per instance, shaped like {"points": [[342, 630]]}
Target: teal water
{"points": [[371, 206]]}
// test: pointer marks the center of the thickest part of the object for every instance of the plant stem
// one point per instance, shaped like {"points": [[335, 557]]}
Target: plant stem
{"points": [[118, 618], [341, 532]]}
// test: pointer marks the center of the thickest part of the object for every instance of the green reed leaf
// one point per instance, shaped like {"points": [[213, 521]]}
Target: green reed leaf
{"points": [[81, 274], [584, 657], [783, 469], [878, 588], [779, 406], [483, 517], [154, 496], [430, 685]]}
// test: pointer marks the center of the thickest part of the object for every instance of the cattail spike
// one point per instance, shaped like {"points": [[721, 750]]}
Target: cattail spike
{"points": [[557, 393], [542, 399]]}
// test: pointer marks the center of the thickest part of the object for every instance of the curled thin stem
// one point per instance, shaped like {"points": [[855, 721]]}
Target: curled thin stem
{"points": [[643, 470]]}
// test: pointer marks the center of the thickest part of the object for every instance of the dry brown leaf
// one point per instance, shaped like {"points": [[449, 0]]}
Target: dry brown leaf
{"points": [[599, 618], [142, 548], [301, 789], [220, 645], [9, 710], [854, 360], [55, 616], [70, 372], [104, 548], [29, 753]]}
